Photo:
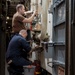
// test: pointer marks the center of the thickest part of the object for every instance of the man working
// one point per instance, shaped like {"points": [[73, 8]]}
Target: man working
{"points": [[18, 20], [14, 53]]}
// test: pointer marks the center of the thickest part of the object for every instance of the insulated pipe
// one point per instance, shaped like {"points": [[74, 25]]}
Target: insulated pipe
{"points": [[45, 5], [34, 5]]}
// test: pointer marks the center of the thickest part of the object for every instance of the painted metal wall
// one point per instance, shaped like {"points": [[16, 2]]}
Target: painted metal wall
{"points": [[58, 36]]}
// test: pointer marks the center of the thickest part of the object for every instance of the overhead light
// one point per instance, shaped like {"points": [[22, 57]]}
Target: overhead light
{"points": [[6, 22], [9, 27], [7, 17]]}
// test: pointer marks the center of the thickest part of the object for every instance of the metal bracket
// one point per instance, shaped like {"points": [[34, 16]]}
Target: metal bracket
{"points": [[56, 63]]}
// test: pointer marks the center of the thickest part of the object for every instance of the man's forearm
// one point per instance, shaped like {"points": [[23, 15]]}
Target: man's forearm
{"points": [[28, 12]]}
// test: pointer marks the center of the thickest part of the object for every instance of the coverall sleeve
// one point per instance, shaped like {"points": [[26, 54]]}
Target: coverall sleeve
{"points": [[25, 45]]}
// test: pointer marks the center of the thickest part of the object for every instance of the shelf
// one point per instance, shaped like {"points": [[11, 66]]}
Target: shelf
{"points": [[54, 43], [59, 43]]}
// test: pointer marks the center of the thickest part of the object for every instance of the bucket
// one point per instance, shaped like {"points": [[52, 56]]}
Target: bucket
{"points": [[29, 70]]}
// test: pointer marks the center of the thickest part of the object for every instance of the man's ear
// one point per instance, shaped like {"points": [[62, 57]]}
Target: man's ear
{"points": [[20, 9]]}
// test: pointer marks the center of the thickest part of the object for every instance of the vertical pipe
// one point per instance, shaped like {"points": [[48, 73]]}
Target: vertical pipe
{"points": [[73, 38], [0, 31], [2, 40], [68, 38]]}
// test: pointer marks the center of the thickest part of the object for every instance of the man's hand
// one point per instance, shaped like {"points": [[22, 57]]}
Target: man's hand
{"points": [[33, 49], [36, 48], [29, 66], [36, 13]]}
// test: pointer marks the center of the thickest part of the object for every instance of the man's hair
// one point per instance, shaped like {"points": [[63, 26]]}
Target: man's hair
{"points": [[19, 6], [22, 31]]}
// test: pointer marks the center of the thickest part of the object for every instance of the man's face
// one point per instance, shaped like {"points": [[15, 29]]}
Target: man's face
{"points": [[22, 10], [25, 34]]}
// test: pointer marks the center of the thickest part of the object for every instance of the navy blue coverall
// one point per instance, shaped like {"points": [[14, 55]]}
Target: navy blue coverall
{"points": [[17, 51]]}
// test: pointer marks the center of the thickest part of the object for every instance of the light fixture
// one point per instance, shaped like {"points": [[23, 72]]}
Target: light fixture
{"points": [[7, 17]]}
